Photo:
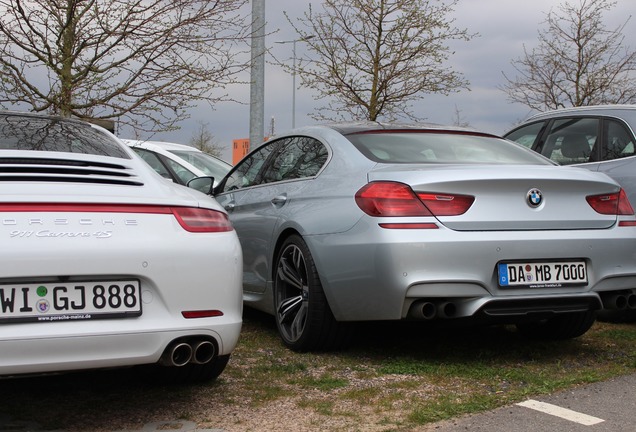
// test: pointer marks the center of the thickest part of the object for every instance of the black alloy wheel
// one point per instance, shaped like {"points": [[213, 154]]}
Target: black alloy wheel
{"points": [[303, 317]]}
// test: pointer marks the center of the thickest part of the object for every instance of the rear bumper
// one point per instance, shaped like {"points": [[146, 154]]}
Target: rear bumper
{"points": [[176, 275], [370, 273], [88, 351]]}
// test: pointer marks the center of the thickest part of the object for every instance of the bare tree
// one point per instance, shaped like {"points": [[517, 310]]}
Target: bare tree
{"points": [[373, 58], [459, 120], [140, 62], [203, 140], [578, 61]]}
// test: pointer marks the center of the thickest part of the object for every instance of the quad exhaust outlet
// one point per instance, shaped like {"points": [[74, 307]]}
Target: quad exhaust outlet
{"points": [[619, 301]]}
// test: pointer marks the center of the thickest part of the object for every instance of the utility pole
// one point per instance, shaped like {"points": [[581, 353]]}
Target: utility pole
{"points": [[257, 76]]}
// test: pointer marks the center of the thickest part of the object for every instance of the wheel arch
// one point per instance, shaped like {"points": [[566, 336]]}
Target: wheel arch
{"points": [[284, 235]]}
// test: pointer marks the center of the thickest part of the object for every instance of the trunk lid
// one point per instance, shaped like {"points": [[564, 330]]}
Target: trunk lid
{"points": [[502, 194]]}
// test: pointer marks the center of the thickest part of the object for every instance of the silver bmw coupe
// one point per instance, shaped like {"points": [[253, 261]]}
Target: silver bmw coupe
{"points": [[369, 221]]}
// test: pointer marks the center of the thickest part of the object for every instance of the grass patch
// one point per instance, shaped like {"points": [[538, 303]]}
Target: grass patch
{"points": [[409, 375], [325, 383], [396, 376]]}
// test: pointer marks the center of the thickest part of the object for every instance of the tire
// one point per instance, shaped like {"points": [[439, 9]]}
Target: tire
{"points": [[617, 316], [303, 316], [559, 327], [189, 374]]}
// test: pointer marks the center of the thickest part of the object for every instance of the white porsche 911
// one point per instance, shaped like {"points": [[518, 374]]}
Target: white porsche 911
{"points": [[106, 264]]}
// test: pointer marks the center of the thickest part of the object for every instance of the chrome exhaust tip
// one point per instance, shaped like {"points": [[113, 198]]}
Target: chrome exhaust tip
{"points": [[178, 354], [203, 352]]}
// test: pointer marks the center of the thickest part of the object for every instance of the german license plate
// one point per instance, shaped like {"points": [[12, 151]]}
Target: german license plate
{"points": [[543, 274], [48, 302]]}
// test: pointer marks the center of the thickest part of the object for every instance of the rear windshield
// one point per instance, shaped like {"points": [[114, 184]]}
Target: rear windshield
{"points": [[47, 134], [442, 148]]}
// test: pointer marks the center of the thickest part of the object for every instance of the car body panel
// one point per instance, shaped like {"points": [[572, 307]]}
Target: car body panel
{"points": [[504, 191], [371, 273], [63, 248]]}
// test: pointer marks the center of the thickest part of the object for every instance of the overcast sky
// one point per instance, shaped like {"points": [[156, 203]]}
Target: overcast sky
{"points": [[503, 26]]}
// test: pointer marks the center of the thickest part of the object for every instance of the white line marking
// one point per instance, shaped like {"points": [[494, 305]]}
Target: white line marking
{"points": [[564, 413]]}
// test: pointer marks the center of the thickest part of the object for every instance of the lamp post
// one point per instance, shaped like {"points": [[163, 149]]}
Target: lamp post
{"points": [[257, 74], [293, 42]]}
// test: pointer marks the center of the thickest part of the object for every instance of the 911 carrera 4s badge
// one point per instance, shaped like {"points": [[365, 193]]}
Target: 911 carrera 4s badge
{"points": [[534, 197]]}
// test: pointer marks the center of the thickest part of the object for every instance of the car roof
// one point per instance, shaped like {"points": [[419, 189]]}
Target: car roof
{"points": [[590, 109], [370, 126], [154, 145]]}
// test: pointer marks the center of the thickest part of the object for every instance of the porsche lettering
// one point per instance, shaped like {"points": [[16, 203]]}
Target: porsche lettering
{"points": [[35, 222]]}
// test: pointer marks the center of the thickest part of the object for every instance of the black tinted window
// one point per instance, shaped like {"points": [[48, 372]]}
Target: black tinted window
{"points": [[620, 142], [45, 134], [247, 171], [572, 140], [296, 157]]}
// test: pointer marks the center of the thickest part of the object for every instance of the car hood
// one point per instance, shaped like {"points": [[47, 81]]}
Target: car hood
{"points": [[501, 194]]}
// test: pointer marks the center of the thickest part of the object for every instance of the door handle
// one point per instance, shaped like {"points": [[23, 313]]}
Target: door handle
{"points": [[279, 200], [229, 207]]}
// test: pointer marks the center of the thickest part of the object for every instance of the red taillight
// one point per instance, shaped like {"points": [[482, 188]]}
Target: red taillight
{"points": [[192, 219], [195, 219], [419, 226], [83, 207], [201, 314], [611, 204], [398, 199], [446, 205], [390, 199]]}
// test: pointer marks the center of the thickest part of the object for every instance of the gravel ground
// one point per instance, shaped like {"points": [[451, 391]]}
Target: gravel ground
{"points": [[268, 388]]}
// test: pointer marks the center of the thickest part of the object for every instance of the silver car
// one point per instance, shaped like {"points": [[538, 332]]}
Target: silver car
{"points": [[372, 221], [599, 138]]}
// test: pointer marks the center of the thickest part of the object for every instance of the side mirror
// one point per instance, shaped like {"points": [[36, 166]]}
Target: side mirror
{"points": [[202, 184]]}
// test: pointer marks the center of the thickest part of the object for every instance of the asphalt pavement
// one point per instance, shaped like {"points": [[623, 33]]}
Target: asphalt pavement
{"points": [[608, 406]]}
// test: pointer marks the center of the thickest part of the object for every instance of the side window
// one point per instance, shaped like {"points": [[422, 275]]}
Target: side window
{"points": [[246, 172], [154, 161], [526, 135], [184, 174], [297, 157], [572, 140], [619, 143]]}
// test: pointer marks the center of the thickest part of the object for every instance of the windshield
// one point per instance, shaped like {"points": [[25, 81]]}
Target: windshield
{"points": [[208, 164], [441, 147]]}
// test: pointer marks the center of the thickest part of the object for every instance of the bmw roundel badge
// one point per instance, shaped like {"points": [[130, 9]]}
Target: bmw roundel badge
{"points": [[534, 197]]}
